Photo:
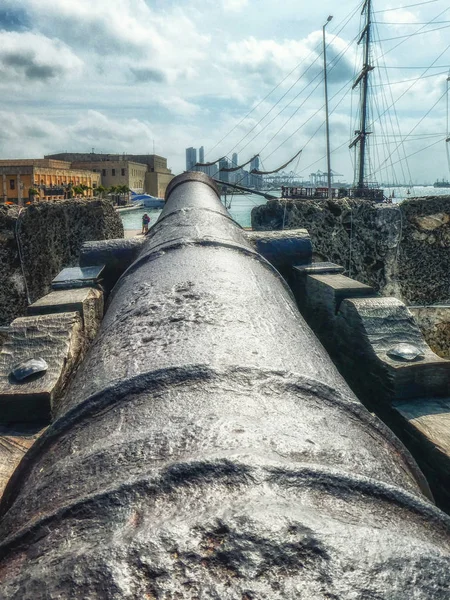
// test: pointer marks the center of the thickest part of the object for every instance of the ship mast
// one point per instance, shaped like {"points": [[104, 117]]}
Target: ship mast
{"points": [[363, 81]]}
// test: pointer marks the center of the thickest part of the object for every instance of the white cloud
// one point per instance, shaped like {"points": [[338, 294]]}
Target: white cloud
{"points": [[35, 57], [179, 106], [234, 5]]}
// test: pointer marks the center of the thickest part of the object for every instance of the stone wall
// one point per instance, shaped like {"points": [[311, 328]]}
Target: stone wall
{"points": [[50, 236], [400, 250], [434, 322]]}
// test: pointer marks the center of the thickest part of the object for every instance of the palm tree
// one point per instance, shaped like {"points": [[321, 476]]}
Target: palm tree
{"points": [[78, 190], [123, 190], [32, 192], [100, 190], [114, 191]]}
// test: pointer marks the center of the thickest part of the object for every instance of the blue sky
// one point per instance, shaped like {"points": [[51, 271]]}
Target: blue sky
{"points": [[122, 75]]}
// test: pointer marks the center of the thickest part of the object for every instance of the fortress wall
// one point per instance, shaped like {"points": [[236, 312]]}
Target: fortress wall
{"points": [[51, 236], [398, 249]]}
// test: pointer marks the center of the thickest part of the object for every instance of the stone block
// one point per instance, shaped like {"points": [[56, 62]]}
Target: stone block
{"points": [[282, 249], [366, 332], [59, 340], [319, 297], [425, 428], [76, 277], [87, 301], [116, 255], [14, 442]]}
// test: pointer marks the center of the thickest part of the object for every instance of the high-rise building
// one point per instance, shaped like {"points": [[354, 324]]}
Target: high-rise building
{"points": [[191, 158], [234, 159], [201, 155], [212, 170], [224, 175], [256, 181], [255, 163]]}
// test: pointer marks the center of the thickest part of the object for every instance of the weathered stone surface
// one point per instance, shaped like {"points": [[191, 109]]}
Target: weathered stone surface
{"points": [[366, 331], [400, 250], [425, 427], [14, 442], [282, 249], [117, 255], [59, 339], [319, 297], [87, 301], [434, 322], [51, 236]]}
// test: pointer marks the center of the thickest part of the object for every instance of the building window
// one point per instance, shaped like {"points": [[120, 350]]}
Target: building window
{"points": [[12, 184], [123, 172], [104, 172], [113, 173]]}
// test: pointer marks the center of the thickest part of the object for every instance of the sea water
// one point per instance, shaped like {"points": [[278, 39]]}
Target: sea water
{"points": [[241, 205]]}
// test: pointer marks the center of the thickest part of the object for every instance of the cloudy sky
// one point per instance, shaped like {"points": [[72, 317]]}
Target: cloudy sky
{"points": [[233, 75]]}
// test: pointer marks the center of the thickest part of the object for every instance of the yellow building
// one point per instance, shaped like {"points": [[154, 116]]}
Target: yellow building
{"points": [[51, 178]]}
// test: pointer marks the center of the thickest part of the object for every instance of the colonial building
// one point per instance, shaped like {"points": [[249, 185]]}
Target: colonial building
{"points": [[117, 172], [52, 179], [141, 172]]}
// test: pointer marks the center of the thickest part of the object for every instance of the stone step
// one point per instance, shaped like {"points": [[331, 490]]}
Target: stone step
{"points": [[87, 301], [76, 277], [320, 295], [58, 339], [425, 426], [369, 332]]}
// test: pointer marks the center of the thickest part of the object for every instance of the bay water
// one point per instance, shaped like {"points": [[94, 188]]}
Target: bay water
{"points": [[241, 205]]}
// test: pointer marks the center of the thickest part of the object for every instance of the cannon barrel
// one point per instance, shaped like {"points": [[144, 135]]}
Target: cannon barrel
{"points": [[208, 448]]}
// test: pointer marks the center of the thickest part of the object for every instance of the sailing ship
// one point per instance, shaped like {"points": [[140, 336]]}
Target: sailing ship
{"points": [[363, 187]]}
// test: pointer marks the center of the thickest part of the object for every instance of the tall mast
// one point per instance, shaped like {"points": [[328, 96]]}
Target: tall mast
{"points": [[363, 81], [330, 193]]}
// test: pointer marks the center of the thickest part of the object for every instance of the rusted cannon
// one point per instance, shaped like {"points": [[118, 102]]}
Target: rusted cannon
{"points": [[208, 448]]}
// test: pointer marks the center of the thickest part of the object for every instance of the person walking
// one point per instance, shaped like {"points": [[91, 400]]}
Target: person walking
{"points": [[145, 222]]}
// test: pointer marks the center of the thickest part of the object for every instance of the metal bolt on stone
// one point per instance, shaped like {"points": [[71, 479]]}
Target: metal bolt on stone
{"points": [[208, 448]]}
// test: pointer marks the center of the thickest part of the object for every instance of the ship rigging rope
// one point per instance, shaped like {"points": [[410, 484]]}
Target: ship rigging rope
{"points": [[415, 126], [447, 149], [400, 37], [345, 22], [231, 169], [335, 62], [420, 150], [256, 172], [209, 164], [433, 20], [389, 83], [408, 23], [408, 88], [332, 65], [392, 129], [402, 7]]}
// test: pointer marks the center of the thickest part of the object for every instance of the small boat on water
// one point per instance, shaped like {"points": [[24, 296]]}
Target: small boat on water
{"points": [[147, 200]]}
